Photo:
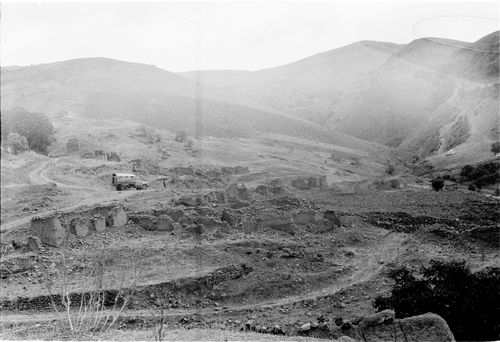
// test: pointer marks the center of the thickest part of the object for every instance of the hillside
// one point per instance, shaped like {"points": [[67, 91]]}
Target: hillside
{"points": [[318, 88], [103, 88], [425, 97]]}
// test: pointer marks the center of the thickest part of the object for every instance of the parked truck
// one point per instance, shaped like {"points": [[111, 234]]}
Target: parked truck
{"points": [[124, 181]]}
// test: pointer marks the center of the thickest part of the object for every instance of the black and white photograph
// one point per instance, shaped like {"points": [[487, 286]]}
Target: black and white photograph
{"points": [[250, 170]]}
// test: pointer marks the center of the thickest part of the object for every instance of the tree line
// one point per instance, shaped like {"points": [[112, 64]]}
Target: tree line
{"points": [[22, 130]]}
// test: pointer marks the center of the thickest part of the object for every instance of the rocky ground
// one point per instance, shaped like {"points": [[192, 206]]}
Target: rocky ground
{"points": [[275, 237]]}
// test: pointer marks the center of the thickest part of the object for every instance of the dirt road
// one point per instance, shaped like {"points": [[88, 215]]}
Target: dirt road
{"points": [[40, 176], [366, 268]]}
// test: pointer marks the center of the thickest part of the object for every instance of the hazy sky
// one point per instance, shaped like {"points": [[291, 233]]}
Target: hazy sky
{"points": [[180, 36]]}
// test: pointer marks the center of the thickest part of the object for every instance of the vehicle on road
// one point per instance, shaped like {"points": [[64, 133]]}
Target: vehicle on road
{"points": [[124, 181]]}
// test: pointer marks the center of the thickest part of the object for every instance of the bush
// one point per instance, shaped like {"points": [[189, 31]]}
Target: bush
{"points": [[17, 143], [437, 184], [468, 301], [447, 177], [94, 310], [481, 175], [35, 127], [487, 180], [495, 147], [466, 170]]}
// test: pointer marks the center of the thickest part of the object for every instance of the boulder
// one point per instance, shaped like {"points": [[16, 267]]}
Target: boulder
{"points": [[382, 326], [376, 319], [427, 327], [305, 327]]}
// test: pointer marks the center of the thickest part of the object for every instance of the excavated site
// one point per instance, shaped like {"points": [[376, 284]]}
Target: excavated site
{"points": [[235, 249]]}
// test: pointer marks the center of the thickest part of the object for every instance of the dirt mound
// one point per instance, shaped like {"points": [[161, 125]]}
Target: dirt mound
{"points": [[201, 290], [478, 224], [403, 222]]}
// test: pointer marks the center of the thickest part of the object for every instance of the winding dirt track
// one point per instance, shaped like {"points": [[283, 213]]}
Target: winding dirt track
{"points": [[40, 176], [369, 267]]}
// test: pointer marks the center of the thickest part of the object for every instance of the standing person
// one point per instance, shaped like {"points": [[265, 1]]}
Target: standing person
{"points": [[164, 184]]}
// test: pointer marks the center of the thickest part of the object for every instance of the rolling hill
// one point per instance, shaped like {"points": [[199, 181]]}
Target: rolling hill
{"points": [[428, 96], [103, 88], [425, 98]]}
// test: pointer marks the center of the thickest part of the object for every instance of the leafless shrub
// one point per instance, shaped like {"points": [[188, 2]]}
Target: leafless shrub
{"points": [[96, 309], [159, 319]]}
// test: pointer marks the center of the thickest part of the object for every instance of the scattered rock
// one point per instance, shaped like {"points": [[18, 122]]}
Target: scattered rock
{"points": [[305, 327], [250, 325], [277, 330]]}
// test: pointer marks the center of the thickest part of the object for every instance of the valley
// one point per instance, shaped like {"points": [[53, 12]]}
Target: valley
{"points": [[248, 236], [279, 202]]}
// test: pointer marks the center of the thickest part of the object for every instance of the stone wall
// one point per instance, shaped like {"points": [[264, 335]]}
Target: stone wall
{"points": [[49, 230], [53, 229]]}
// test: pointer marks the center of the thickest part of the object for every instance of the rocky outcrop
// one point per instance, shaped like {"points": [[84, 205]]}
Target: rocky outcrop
{"points": [[383, 326]]}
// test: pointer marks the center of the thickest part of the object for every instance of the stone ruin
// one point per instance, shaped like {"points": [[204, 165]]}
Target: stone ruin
{"points": [[286, 221], [49, 230], [113, 156], [53, 229], [99, 154], [88, 155], [238, 191]]}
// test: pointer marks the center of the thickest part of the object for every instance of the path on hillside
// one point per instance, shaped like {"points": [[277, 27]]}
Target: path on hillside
{"points": [[40, 176], [384, 252]]}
